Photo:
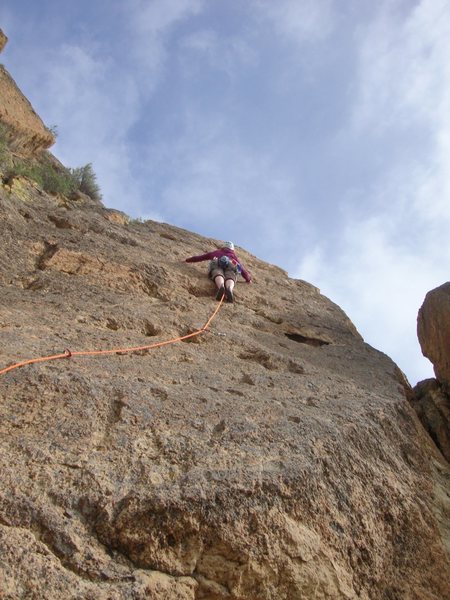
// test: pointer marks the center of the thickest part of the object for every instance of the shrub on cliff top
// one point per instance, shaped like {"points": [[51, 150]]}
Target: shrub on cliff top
{"points": [[85, 181], [47, 172], [51, 177]]}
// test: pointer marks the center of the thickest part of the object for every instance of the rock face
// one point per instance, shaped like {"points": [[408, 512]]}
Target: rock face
{"points": [[26, 131], [274, 457], [433, 330]]}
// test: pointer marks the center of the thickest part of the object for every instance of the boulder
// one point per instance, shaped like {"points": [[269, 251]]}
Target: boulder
{"points": [[433, 330]]}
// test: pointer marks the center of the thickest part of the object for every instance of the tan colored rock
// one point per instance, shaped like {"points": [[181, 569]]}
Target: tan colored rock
{"points": [[116, 216], [433, 330], [279, 459], [26, 132], [3, 40]]}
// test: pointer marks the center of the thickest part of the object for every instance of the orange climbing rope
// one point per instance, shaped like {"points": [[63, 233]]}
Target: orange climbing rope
{"points": [[69, 354]]}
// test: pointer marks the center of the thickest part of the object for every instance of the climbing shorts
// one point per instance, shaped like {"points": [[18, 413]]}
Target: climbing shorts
{"points": [[226, 273]]}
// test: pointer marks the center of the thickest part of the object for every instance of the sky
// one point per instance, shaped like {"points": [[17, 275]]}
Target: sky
{"points": [[313, 133]]}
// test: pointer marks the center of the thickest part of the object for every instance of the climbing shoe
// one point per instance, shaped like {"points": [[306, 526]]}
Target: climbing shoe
{"points": [[220, 293], [229, 295]]}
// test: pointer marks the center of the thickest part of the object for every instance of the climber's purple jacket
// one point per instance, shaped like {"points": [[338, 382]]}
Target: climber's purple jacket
{"points": [[217, 254]]}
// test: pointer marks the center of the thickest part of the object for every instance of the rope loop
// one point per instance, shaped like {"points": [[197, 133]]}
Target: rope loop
{"points": [[69, 354]]}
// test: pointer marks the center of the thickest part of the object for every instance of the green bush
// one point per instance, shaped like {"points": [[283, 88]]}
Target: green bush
{"points": [[50, 178], [47, 172], [85, 181], [5, 158]]}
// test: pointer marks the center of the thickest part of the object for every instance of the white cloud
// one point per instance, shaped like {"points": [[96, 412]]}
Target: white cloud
{"points": [[93, 107], [214, 182], [381, 286], [156, 17], [404, 68], [394, 245], [150, 25], [298, 22], [95, 92], [379, 266], [227, 54], [223, 182]]}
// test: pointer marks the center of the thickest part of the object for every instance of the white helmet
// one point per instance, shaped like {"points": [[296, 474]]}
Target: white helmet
{"points": [[229, 245]]}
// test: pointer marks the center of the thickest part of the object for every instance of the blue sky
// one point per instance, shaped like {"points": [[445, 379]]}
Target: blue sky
{"points": [[314, 133]]}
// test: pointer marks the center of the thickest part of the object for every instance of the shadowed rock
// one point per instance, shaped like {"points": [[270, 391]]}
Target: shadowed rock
{"points": [[432, 405]]}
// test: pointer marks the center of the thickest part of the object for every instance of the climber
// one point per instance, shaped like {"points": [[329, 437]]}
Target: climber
{"points": [[224, 268]]}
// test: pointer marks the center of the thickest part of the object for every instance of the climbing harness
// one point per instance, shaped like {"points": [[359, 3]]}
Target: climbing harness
{"points": [[225, 263], [69, 354]]}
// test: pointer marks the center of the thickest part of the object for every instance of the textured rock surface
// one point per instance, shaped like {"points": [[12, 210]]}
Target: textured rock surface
{"points": [[433, 330], [27, 133], [432, 405], [274, 457]]}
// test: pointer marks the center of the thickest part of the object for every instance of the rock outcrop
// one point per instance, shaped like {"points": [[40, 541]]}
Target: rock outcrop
{"points": [[3, 40], [433, 330], [431, 398], [274, 457], [27, 133]]}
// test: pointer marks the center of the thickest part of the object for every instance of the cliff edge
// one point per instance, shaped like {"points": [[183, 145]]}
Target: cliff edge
{"points": [[27, 133]]}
